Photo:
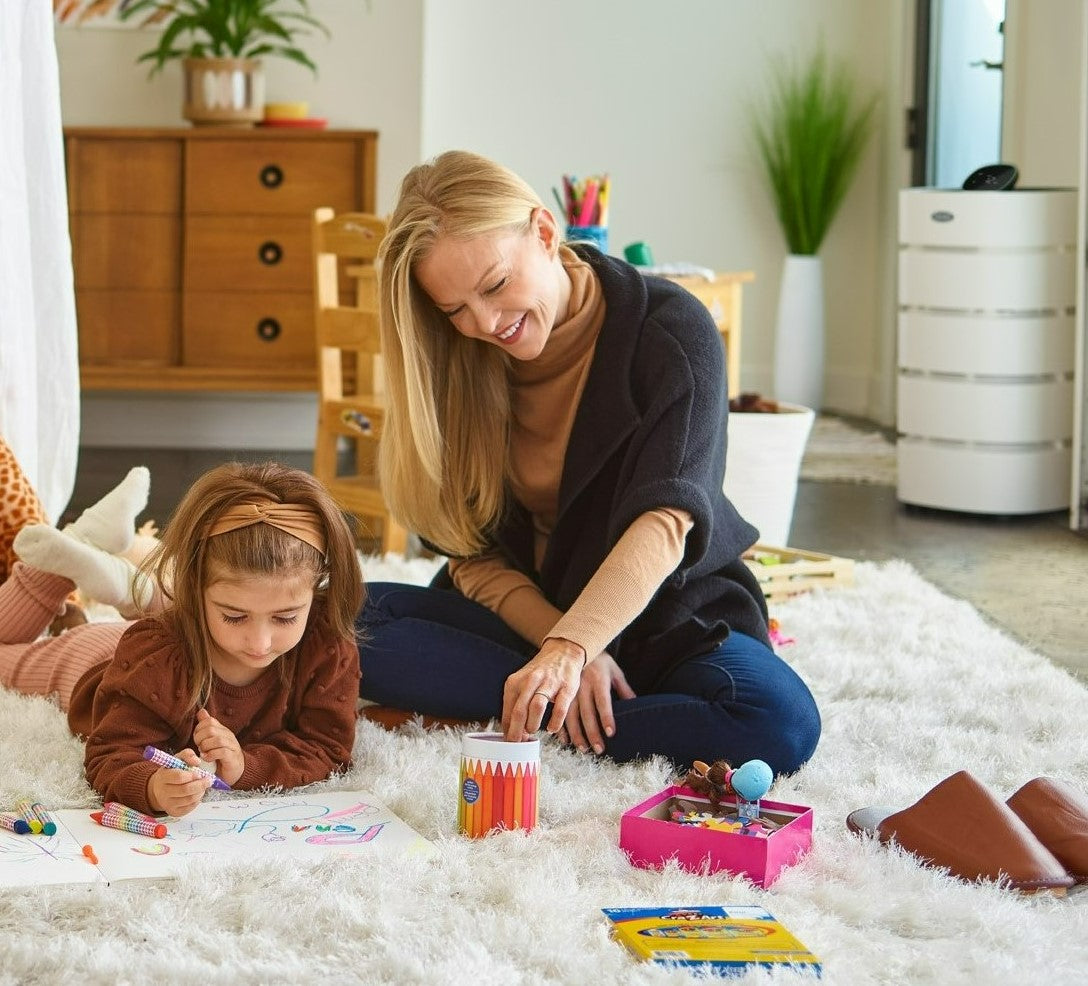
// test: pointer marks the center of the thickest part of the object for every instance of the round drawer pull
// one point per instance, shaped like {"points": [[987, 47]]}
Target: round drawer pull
{"points": [[271, 176], [269, 329], [270, 253]]}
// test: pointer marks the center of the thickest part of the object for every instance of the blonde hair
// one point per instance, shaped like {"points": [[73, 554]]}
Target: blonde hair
{"points": [[187, 560], [444, 449]]}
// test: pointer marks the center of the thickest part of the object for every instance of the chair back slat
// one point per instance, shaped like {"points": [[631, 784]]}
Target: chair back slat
{"points": [[351, 406]]}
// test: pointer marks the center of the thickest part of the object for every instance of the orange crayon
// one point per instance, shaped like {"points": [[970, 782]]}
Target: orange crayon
{"points": [[508, 797]]}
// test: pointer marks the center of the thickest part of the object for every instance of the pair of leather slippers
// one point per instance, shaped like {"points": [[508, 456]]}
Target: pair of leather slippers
{"points": [[1037, 840]]}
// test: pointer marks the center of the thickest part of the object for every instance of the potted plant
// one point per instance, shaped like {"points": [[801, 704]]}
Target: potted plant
{"points": [[810, 132], [220, 44]]}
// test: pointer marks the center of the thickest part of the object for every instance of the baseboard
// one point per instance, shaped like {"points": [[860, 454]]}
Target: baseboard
{"points": [[196, 421]]}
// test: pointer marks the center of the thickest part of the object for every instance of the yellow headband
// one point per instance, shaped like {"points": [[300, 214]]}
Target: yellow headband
{"points": [[292, 518]]}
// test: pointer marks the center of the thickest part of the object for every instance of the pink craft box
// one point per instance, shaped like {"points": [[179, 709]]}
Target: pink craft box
{"points": [[651, 840]]}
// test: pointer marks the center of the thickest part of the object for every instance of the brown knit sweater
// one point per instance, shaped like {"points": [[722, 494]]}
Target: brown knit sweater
{"points": [[545, 397], [291, 733]]}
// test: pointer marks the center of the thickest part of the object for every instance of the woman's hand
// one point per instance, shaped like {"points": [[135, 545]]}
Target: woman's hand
{"points": [[551, 676], [176, 791], [591, 714], [219, 745]]}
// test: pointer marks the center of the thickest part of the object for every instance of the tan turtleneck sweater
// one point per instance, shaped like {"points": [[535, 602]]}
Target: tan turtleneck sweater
{"points": [[545, 395]]}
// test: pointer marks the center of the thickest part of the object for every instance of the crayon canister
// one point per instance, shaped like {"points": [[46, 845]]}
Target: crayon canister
{"points": [[498, 784]]}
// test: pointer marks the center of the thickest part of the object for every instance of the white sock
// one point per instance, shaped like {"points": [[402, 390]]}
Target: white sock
{"points": [[111, 522], [103, 577]]}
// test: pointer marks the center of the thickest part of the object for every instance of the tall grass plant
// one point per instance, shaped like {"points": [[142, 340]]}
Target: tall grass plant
{"points": [[811, 131]]}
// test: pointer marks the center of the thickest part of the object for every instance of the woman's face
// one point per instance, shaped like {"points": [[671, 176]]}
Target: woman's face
{"points": [[505, 288]]}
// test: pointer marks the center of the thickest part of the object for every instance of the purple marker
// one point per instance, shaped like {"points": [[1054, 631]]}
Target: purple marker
{"points": [[164, 759]]}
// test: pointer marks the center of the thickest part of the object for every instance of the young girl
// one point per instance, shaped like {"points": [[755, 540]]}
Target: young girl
{"points": [[248, 661]]}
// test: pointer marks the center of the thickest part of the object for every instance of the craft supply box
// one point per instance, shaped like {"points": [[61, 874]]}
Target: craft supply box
{"points": [[650, 839]]}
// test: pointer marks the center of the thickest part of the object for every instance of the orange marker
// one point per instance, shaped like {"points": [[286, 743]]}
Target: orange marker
{"points": [[88, 851]]}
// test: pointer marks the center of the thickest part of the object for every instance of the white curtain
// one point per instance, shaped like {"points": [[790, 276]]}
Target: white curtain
{"points": [[39, 372]]}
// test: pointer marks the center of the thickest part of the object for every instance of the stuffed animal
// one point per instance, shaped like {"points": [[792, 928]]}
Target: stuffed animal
{"points": [[19, 506]]}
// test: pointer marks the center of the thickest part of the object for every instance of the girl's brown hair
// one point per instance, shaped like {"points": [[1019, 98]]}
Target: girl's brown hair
{"points": [[187, 559]]}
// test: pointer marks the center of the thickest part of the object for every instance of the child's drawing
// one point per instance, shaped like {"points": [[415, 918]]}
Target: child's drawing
{"points": [[296, 826]]}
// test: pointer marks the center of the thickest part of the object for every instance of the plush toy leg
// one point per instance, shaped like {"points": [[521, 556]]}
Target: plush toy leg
{"points": [[107, 578], [110, 524]]}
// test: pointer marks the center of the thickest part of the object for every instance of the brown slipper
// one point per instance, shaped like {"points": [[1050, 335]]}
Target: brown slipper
{"points": [[1057, 814], [962, 826]]}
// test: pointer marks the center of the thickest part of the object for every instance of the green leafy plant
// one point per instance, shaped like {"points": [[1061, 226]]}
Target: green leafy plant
{"points": [[225, 28], [811, 132]]}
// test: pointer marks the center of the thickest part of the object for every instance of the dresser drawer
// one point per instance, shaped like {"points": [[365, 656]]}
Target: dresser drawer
{"points": [[271, 176], [128, 175], [128, 328], [248, 253], [243, 330], [126, 251]]}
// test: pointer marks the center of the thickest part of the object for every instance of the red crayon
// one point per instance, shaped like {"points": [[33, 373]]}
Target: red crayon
{"points": [[116, 816]]}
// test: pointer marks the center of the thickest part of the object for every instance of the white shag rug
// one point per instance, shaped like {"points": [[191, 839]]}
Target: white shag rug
{"points": [[838, 451], [913, 685]]}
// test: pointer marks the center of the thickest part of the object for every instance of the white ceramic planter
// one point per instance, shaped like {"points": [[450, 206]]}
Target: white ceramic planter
{"points": [[799, 333], [762, 463]]}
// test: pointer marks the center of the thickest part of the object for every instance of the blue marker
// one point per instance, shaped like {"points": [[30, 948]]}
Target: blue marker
{"points": [[164, 759], [13, 823]]}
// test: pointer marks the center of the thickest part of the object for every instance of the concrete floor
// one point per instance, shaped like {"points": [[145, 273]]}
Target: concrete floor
{"points": [[1028, 575]]}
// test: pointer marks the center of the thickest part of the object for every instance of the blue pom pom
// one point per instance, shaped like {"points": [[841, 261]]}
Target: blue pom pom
{"points": [[752, 780]]}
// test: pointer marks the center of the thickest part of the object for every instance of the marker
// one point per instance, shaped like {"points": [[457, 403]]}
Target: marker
{"points": [[164, 759], [88, 851], [13, 823], [35, 811], [118, 816]]}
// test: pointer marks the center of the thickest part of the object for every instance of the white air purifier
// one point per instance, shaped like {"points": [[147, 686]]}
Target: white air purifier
{"points": [[986, 349]]}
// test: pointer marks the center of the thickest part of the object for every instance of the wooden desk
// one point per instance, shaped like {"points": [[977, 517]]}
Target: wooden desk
{"points": [[723, 297]]}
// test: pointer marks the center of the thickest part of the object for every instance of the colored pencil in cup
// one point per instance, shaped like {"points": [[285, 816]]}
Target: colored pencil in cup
{"points": [[164, 759]]}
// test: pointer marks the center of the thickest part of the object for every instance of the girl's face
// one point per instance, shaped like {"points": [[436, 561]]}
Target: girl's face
{"points": [[505, 288], [253, 620]]}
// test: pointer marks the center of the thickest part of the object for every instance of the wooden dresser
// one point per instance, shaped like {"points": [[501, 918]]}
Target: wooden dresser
{"points": [[192, 251]]}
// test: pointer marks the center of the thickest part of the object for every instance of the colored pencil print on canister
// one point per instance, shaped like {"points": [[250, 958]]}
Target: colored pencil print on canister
{"points": [[497, 784]]}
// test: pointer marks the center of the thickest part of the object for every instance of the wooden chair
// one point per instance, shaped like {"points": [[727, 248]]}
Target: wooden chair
{"points": [[350, 406]]}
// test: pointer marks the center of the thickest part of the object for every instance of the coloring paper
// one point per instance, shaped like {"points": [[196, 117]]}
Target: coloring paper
{"points": [[299, 826]]}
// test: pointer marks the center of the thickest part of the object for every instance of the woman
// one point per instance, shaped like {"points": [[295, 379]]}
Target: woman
{"points": [[556, 426]]}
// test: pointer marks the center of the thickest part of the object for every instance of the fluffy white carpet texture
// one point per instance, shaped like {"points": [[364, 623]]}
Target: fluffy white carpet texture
{"points": [[912, 684]]}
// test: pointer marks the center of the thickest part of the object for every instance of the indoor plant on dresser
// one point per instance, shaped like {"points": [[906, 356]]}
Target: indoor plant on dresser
{"points": [[220, 44]]}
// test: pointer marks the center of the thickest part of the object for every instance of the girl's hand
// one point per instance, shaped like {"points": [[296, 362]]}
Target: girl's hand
{"points": [[591, 714], [551, 676], [175, 791], [217, 743]]}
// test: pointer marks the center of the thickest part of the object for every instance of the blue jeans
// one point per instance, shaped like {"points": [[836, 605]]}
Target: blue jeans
{"points": [[436, 652]]}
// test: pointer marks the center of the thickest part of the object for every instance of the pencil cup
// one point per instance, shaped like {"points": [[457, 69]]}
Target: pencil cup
{"points": [[498, 787], [597, 235]]}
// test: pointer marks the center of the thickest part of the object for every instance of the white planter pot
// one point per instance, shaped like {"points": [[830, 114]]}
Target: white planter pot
{"points": [[762, 463], [799, 333]]}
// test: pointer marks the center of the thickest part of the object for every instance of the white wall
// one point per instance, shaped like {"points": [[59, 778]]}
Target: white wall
{"points": [[654, 93], [657, 95]]}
